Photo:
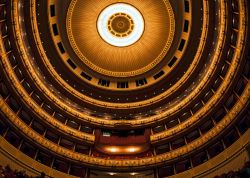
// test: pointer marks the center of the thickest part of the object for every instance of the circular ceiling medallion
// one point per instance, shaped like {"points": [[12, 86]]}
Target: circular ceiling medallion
{"points": [[120, 25], [120, 39]]}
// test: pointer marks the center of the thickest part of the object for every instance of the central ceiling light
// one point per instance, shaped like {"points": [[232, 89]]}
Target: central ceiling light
{"points": [[120, 25]]}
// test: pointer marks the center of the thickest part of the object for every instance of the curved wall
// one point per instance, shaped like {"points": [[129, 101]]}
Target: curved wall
{"points": [[232, 158]]}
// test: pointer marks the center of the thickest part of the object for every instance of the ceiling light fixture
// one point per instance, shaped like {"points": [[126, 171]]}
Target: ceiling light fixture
{"points": [[120, 25]]}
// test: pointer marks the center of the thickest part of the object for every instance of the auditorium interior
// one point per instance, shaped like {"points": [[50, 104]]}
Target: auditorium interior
{"points": [[124, 88]]}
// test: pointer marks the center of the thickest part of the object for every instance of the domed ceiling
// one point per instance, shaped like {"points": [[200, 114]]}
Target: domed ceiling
{"points": [[124, 85]]}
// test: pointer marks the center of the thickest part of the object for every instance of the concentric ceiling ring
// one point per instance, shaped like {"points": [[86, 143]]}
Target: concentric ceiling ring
{"points": [[136, 53]]}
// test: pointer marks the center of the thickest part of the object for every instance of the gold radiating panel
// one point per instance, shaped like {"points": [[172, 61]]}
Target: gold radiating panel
{"points": [[120, 61]]}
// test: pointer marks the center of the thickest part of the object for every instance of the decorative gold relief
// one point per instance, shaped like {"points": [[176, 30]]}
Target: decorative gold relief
{"points": [[131, 60]]}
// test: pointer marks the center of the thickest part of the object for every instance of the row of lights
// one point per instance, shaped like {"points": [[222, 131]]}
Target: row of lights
{"points": [[116, 149], [113, 173]]}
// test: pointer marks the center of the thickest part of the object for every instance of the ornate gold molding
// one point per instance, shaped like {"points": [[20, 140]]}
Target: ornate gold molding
{"points": [[113, 83], [232, 72], [89, 62], [134, 104], [34, 106], [134, 123], [130, 163]]}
